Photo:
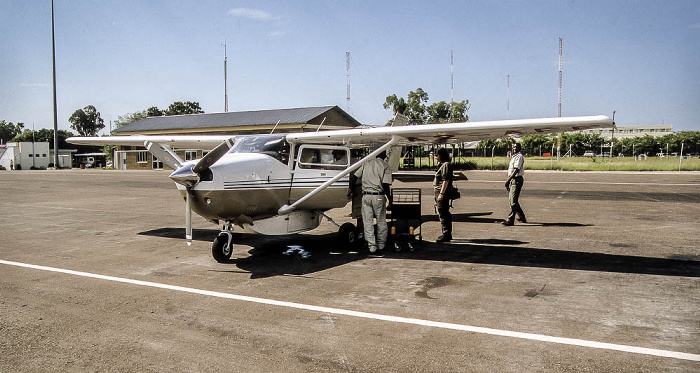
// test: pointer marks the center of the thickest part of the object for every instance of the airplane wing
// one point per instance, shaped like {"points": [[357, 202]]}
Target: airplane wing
{"points": [[200, 142], [450, 133]]}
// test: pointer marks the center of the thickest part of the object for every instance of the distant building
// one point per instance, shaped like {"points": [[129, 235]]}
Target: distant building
{"points": [[307, 119], [623, 132], [25, 155]]}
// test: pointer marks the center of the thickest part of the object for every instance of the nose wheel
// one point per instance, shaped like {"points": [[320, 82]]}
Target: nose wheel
{"points": [[222, 247]]}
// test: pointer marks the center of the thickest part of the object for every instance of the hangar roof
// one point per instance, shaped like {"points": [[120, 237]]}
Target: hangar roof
{"points": [[230, 120]]}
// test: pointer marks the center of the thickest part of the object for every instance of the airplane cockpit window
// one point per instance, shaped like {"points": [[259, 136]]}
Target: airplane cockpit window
{"points": [[275, 146]]}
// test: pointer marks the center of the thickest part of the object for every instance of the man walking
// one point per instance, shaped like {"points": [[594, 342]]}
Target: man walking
{"points": [[514, 184], [376, 180]]}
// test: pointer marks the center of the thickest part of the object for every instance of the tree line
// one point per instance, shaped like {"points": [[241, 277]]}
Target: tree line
{"points": [[88, 122], [578, 143]]}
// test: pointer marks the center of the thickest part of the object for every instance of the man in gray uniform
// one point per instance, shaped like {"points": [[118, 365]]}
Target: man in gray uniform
{"points": [[376, 180], [514, 184]]}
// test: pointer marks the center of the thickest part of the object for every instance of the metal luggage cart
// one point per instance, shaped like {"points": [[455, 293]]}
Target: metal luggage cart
{"points": [[406, 218]]}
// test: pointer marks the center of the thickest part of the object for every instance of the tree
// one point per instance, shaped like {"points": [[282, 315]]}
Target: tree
{"points": [[533, 144], [46, 135], [154, 112], [176, 108], [503, 146], [8, 130], [443, 112], [128, 118], [87, 121], [187, 107], [414, 107]]}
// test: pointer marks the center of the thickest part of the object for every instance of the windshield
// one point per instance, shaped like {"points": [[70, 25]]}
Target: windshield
{"points": [[276, 146]]}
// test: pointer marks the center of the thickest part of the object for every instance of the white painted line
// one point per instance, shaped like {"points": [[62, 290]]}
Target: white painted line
{"points": [[374, 316]]}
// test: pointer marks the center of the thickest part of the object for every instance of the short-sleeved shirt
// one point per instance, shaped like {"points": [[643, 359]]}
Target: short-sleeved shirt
{"points": [[444, 172], [517, 161], [374, 173]]}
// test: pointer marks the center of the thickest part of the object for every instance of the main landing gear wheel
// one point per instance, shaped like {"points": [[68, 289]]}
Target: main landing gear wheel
{"points": [[348, 235], [222, 247]]}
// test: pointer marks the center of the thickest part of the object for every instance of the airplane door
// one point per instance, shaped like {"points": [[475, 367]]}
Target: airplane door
{"points": [[314, 165]]}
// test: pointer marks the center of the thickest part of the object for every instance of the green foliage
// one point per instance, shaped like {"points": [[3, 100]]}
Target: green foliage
{"points": [[154, 112], [580, 142], [8, 130], [414, 107], [499, 147], [45, 135], [128, 118], [176, 108], [86, 121]]}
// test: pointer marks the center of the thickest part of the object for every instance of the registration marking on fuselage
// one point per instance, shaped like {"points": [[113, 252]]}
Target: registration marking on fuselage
{"points": [[374, 316]]}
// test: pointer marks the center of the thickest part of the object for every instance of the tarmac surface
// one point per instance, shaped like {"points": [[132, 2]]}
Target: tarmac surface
{"points": [[95, 275]]}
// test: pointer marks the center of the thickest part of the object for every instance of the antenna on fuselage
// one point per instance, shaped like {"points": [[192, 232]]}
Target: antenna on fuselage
{"points": [[319, 126], [273, 128]]}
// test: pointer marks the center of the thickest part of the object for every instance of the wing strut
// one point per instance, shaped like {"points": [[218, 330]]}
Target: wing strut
{"points": [[286, 209]]}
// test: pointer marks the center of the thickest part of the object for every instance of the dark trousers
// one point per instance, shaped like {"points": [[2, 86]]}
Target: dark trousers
{"points": [[516, 184], [443, 209]]}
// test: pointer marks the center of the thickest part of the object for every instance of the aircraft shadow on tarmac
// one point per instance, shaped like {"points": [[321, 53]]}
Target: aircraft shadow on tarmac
{"points": [[305, 254], [478, 217]]}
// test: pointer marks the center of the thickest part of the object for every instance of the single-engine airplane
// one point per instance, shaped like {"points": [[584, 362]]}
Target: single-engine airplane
{"points": [[279, 184]]}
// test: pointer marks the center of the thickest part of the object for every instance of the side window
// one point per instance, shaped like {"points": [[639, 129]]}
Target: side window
{"points": [[190, 155], [323, 157]]}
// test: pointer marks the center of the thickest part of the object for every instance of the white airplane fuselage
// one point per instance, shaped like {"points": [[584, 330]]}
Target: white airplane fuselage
{"points": [[249, 187]]}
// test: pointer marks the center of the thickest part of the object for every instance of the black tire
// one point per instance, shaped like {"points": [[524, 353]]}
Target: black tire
{"points": [[348, 235], [219, 251]]}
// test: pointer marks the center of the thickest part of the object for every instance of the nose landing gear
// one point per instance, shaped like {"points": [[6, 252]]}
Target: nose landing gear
{"points": [[222, 247]]}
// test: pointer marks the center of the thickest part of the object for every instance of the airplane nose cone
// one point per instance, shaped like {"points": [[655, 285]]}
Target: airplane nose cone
{"points": [[185, 176]]}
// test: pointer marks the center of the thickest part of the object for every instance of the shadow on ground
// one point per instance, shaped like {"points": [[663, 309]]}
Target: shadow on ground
{"points": [[271, 255]]}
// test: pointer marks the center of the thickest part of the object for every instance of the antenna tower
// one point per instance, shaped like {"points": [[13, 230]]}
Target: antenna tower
{"points": [[347, 67], [508, 103], [225, 79], [561, 63], [452, 85]]}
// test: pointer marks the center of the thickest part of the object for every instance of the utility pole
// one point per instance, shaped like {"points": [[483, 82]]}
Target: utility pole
{"points": [[347, 68], [225, 79], [55, 111]]}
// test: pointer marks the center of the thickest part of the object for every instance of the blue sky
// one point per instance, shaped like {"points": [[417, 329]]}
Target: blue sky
{"points": [[639, 58]]}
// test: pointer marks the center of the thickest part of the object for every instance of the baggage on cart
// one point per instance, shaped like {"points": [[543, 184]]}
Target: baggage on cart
{"points": [[406, 218]]}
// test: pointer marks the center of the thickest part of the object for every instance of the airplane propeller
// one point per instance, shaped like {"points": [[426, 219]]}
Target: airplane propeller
{"points": [[213, 156], [189, 176]]}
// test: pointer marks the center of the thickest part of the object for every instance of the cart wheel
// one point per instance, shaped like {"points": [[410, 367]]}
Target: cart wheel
{"points": [[397, 247], [411, 247], [348, 235]]}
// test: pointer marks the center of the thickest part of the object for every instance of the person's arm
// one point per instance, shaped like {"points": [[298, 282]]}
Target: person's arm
{"points": [[443, 190]]}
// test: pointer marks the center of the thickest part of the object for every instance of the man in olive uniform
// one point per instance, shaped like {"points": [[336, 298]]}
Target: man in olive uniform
{"points": [[376, 181], [514, 184]]}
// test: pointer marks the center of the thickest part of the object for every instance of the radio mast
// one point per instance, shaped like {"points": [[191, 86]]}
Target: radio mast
{"points": [[225, 79], [561, 63], [347, 67]]}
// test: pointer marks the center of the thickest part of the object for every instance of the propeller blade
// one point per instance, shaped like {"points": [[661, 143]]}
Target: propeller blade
{"points": [[188, 217], [213, 156]]}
